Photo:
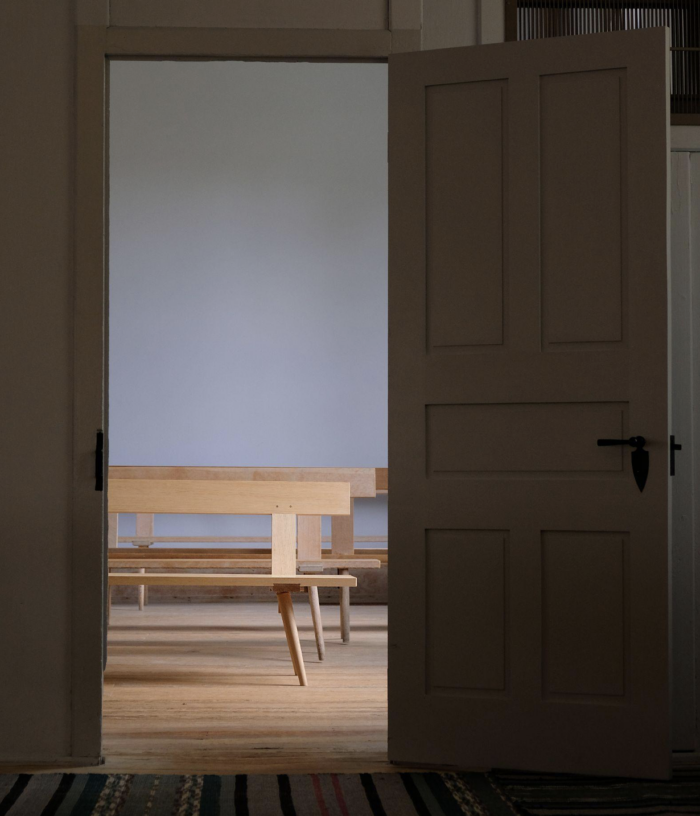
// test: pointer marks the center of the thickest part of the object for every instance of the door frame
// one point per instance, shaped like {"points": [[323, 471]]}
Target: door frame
{"points": [[95, 47], [685, 322]]}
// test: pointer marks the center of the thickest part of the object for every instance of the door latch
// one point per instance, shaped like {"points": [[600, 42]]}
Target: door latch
{"points": [[99, 460], [673, 448], [640, 457]]}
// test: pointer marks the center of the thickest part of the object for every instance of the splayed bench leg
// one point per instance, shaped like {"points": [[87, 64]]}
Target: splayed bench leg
{"points": [[284, 598], [318, 623], [344, 609]]}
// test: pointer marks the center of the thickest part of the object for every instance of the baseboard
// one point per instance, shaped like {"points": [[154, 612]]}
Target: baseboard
{"points": [[14, 765]]}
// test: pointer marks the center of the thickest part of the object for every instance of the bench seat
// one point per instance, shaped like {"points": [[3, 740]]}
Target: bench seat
{"points": [[221, 579]]}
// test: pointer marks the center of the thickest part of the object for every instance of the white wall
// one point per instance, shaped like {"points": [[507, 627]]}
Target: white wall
{"points": [[248, 270]]}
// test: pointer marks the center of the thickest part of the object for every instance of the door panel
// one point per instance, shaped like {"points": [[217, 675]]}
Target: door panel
{"points": [[584, 613], [465, 139], [528, 318], [465, 579], [583, 262], [511, 434]]}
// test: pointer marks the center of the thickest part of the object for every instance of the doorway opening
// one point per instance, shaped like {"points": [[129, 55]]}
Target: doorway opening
{"points": [[247, 330], [429, 718]]}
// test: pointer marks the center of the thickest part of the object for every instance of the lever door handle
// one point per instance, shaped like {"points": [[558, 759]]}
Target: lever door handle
{"points": [[640, 457], [633, 442]]}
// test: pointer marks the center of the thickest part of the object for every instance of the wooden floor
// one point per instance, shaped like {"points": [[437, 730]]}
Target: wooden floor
{"points": [[209, 688]]}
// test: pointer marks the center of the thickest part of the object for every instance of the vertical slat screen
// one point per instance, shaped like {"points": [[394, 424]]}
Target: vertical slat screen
{"points": [[532, 19]]}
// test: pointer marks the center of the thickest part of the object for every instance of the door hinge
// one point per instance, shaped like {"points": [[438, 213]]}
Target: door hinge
{"points": [[672, 453]]}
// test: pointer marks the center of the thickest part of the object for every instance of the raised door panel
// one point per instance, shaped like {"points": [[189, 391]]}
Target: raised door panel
{"points": [[585, 620], [583, 207], [466, 597], [466, 186], [524, 438]]}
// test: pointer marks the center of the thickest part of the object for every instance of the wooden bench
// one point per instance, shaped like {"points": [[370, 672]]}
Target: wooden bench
{"points": [[180, 559], [285, 502], [364, 483]]}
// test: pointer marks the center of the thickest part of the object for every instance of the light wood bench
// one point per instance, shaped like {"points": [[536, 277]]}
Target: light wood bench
{"points": [[197, 559], [364, 483], [285, 502]]}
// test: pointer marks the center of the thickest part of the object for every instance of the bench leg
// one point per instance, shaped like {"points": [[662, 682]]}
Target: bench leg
{"points": [[344, 610], [289, 643], [318, 622], [142, 593], [290, 630]]}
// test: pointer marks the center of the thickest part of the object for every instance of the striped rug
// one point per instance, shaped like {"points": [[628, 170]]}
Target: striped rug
{"points": [[408, 794], [560, 795]]}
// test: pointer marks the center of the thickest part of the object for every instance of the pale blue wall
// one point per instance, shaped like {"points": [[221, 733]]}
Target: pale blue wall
{"points": [[248, 270]]}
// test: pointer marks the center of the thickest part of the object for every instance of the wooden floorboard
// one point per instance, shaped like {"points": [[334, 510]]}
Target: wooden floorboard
{"points": [[209, 688]]}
